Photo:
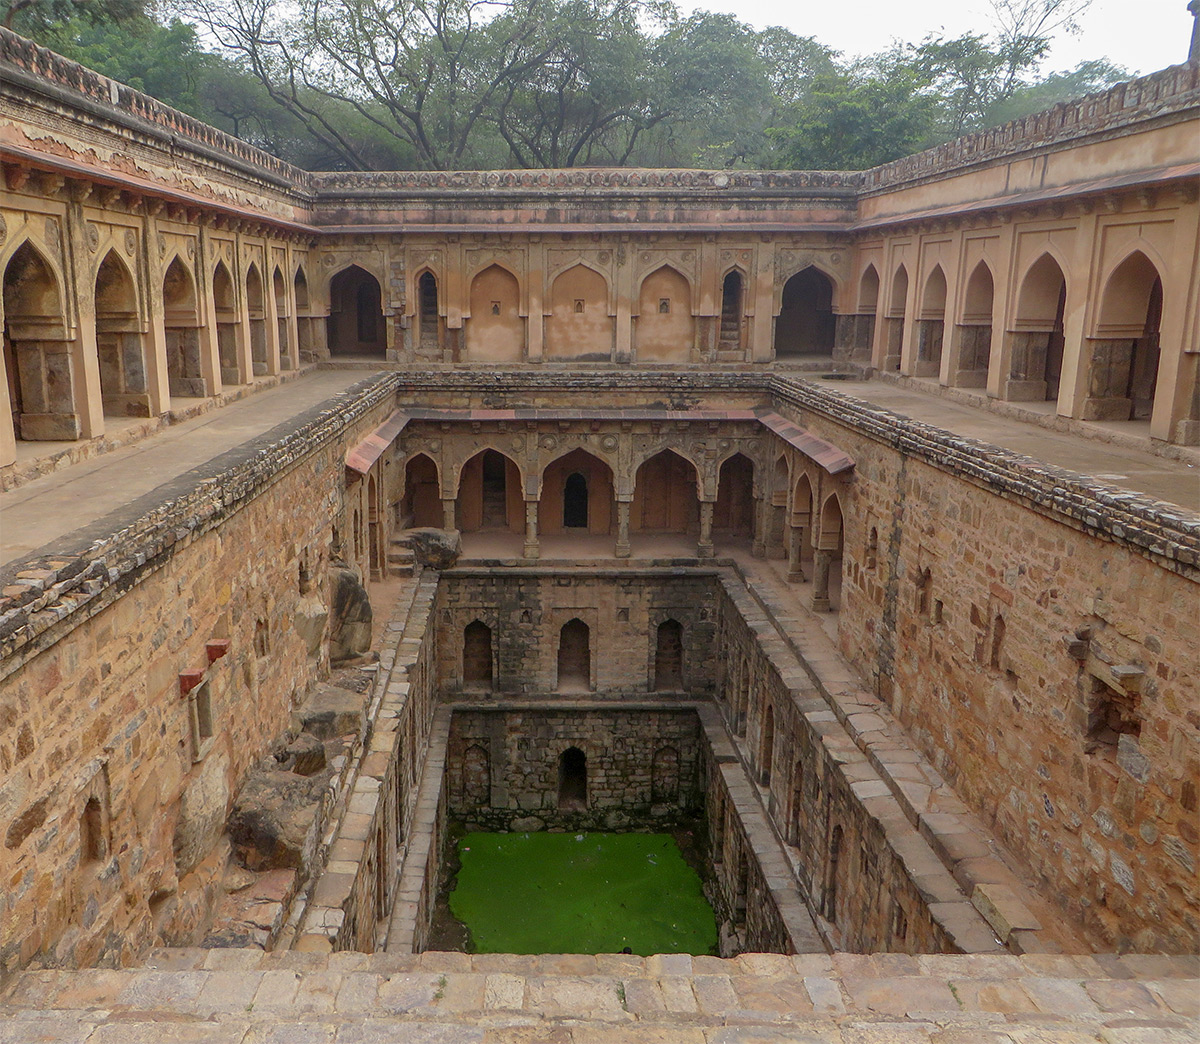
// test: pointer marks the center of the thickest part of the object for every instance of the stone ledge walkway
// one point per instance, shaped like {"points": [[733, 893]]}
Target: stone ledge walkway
{"points": [[248, 997]]}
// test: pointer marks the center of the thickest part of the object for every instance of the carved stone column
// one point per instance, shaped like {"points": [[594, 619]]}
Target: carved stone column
{"points": [[531, 533], [448, 519], [795, 545], [622, 549], [762, 524], [704, 547], [820, 598]]}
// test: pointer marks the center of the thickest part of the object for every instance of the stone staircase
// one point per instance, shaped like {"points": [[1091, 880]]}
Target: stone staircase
{"points": [[243, 996], [400, 558]]}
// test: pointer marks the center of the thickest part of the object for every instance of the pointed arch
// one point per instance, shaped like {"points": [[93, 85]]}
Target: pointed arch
{"points": [[256, 311], [868, 290], [733, 513], [974, 331], [897, 315], [666, 495], [579, 324], [120, 346], [181, 323], [283, 316], [490, 493], [766, 750], [421, 504], [931, 324], [228, 324], [665, 329], [1037, 340], [805, 323], [307, 330], [38, 366], [577, 494], [1123, 355], [356, 325], [495, 330], [733, 310]]}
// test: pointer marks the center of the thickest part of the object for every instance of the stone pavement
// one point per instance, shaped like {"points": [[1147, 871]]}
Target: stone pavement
{"points": [[1118, 455], [248, 997], [78, 495]]}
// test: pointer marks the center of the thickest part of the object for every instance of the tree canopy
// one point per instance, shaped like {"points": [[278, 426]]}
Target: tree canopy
{"points": [[445, 84]]}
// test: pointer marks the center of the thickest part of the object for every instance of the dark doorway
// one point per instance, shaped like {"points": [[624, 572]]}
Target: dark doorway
{"points": [[355, 325], [574, 657], [572, 780], [427, 314], [731, 312], [495, 490], [477, 656], [805, 325], [668, 657], [575, 502]]}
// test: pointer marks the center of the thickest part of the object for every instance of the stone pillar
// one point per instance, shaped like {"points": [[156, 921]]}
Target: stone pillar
{"points": [[820, 598], [622, 549], [796, 536], [762, 508], [448, 519], [704, 547], [531, 533]]}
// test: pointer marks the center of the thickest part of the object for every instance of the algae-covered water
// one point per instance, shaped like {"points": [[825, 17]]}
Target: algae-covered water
{"points": [[580, 893]]}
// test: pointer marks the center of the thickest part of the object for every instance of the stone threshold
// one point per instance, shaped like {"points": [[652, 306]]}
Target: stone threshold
{"points": [[14, 475]]}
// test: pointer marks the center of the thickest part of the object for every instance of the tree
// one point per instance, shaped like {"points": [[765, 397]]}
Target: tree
{"points": [[32, 16]]}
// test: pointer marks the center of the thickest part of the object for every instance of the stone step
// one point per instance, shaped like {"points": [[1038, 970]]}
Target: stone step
{"points": [[351, 998]]}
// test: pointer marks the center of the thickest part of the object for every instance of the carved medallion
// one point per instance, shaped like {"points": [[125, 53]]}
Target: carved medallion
{"points": [[130, 241], [93, 236]]}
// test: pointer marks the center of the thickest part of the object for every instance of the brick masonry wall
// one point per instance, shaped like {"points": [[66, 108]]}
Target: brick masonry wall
{"points": [[111, 819], [1084, 581]]}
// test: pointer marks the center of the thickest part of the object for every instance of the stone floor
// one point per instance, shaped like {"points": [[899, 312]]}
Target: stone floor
{"points": [[247, 997]]}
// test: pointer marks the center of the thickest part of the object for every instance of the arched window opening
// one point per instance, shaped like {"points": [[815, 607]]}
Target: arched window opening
{"points": [[476, 777], [228, 325], [856, 332], [355, 325], [766, 753], [665, 497], [931, 325], [733, 513], [805, 324], [574, 657], [477, 657], [1125, 352], [181, 322], [801, 564], [975, 331], [572, 780], [777, 525], [668, 657], [1037, 344], [664, 776], [93, 839], [896, 316], [421, 504], [730, 336], [428, 319], [257, 311], [827, 565], [123, 384], [37, 356], [489, 494], [575, 501], [287, 359]]}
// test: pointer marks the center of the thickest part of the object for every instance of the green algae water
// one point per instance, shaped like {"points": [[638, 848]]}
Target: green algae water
{"points": [[581, 893]]}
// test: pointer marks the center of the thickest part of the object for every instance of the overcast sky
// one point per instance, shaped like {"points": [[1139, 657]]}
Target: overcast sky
{"points": [[1142, 35]]}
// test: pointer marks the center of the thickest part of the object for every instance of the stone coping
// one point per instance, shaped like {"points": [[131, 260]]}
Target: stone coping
{"points": [[244, 996]]}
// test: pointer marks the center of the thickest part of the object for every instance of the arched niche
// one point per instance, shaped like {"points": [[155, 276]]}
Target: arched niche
{"points": [[477, 657], [37, 355], [181, 322], [1035, 371], [421, 504], [428, 334], [287, 350], [896, 317], [308, 332], [665, 329], [577, 495], [665, 495], [495, 332], [975, 329], [931, 325], [256, 311], [574, 657], [733, 310], [228, 325], [579, 325], [805, 324], [733, 513], [120, 338], [489, 494], [668, 656], [356, 325]]}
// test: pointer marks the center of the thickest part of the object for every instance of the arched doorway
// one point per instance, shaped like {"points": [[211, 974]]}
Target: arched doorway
{"points": [[287, 360], [577, 495], [181, 321], [729, 337], [733, 513], [572, 780], [477, 657], [306, 330], [256, 309], [827, 566], [37, 355], [668, 657], [495, 332], [489, 494], [355, 325], [574, 657], [429, 320], [664, 328], [579, 325], [665, 495], [805, 324], [931, 325], [975, 330], [896, 315], [777, 520], [421, 504], [228, 325], [374, 530], [119, 341], [863, 334], [1037, 339], [1124, 353], [801, 557]]}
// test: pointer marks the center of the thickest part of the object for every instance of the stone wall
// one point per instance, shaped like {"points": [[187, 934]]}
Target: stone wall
{"points": [[1046, 666], [142, 676]]}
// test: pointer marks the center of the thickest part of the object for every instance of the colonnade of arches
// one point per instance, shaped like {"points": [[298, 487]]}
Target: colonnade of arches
{"points": [[118, 340], [792, 513], [1030, 335]]}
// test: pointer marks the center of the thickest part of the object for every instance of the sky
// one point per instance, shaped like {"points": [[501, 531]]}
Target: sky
{"points": [[1141, 35]]}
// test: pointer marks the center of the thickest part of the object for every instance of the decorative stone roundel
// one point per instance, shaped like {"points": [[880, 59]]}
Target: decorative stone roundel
{"points": [[548, 442], [130, 241], [609, 442], [93, 236]]}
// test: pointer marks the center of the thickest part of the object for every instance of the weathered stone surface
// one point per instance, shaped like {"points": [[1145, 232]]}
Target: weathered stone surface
{"points": [[311, 616], [201, 812], [332, 711], [349, 615], [274, 822], [435, 548]]}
